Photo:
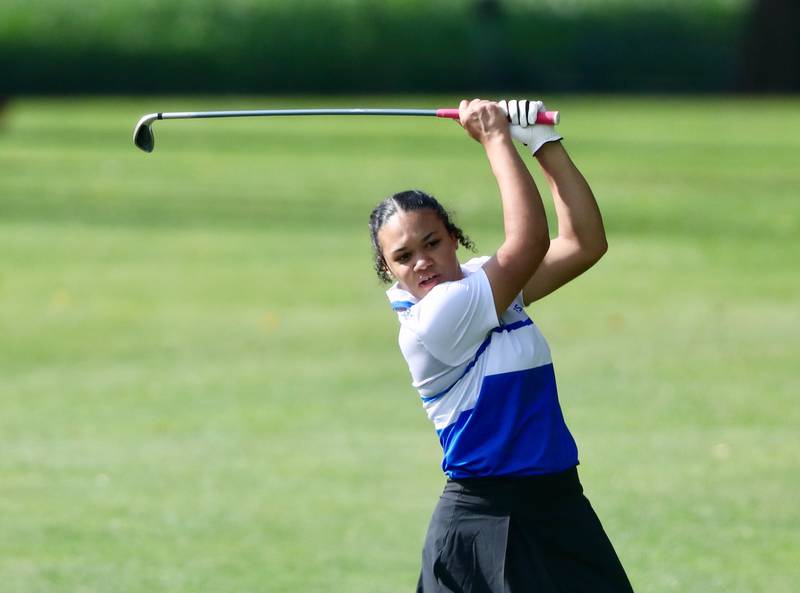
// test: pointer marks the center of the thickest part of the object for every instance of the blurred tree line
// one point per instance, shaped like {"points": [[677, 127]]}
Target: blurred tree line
{"points": [[358, 46], [771, 56]]}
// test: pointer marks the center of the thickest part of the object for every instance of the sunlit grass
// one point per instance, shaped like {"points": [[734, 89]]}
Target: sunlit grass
{"points": [[199, 377]]}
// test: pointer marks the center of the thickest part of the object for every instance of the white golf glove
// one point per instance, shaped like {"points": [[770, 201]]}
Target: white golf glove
{"points": [[522, 116]]}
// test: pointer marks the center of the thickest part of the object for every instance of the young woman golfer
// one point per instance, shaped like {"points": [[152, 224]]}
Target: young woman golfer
{"points": [[512, 517]]}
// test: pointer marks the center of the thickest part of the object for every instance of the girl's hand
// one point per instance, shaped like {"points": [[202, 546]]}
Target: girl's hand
{"points": [[522, 116], [483, 120], [524, 219]]}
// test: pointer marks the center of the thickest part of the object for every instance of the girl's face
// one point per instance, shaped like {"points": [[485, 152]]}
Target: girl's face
{"points": [[419, 251]]}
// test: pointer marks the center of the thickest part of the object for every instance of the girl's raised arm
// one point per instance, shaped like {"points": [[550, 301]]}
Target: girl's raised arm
{"points": [[581, 239], [524, 220]]}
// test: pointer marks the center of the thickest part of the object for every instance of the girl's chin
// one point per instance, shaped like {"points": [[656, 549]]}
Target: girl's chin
{"points": [[418, 292]]}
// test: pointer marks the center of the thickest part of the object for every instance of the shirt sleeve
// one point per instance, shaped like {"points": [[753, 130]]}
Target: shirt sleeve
{"points": [[453, 319]]}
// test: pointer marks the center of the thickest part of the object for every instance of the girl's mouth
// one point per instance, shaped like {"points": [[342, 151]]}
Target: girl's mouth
{"points": [[429, 281]]}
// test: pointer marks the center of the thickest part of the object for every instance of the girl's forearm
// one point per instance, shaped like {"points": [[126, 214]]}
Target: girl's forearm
{"points": [[579, 217], [524, 218]]}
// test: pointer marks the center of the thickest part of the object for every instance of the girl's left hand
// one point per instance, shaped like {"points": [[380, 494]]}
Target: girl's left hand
{"points": [[522, 115]]}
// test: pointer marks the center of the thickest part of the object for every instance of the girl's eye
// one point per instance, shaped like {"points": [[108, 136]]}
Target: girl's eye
{"points": [[433, 243], [401, 258]]}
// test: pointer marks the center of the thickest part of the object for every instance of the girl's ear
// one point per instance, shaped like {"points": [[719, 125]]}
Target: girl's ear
{"points": [[385, 268]]}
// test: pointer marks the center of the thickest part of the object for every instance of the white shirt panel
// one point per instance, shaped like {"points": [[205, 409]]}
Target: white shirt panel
{"points": [[521, 349], [433, 370], [454, 317]]}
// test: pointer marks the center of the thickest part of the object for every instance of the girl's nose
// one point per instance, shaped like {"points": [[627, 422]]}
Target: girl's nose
{"points": [[422, 263]]}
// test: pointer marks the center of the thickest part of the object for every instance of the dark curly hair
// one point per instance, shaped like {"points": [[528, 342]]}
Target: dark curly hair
{"points": [[407, 201]]}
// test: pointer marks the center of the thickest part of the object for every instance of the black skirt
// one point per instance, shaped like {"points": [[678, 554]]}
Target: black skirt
{"points": [[518, 535]]}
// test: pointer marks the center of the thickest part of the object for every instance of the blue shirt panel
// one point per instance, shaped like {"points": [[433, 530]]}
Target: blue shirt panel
{"points": [[515, 429]]}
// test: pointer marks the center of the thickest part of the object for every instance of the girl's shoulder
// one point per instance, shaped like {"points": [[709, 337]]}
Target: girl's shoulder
{"points": [[474, 264]]}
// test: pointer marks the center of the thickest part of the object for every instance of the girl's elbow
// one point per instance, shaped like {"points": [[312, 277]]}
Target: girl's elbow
{"points": [[591, 252], [543, 241], [602, 247], [542, 246], [598, 250]]}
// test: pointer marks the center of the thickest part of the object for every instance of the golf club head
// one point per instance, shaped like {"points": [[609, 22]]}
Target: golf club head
{"points": [[143, 135]]}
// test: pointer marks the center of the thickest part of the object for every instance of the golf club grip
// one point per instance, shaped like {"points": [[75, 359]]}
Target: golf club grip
{"points": [[550, 118]]}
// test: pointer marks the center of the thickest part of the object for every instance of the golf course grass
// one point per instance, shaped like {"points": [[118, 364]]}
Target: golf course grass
{"points": [[200, 385]]}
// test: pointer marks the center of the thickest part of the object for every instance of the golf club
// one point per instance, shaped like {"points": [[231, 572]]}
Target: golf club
{"points": [[143, 134]]}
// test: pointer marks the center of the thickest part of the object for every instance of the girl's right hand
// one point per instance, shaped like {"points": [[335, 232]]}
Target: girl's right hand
{"points": [[483, 120]]}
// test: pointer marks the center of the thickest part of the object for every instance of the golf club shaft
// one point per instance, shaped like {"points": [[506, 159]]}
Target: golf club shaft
{"points": [[547, 117], [143, 135]]}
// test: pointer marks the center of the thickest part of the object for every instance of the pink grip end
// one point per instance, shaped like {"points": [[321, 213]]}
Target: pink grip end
{"points": [[550, 118], [449, 113]]}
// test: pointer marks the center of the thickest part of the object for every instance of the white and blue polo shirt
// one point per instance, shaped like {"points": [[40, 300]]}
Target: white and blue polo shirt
{"points": [[487, 385]]}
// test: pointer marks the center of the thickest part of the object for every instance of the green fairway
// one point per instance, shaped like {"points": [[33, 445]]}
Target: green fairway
{"points": [[200, 384]]}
